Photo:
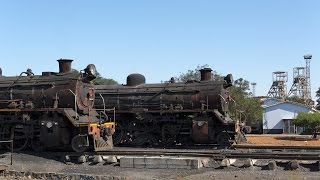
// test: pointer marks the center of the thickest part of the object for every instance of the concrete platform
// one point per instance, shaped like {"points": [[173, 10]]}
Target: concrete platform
{"points": [[161, 163]]}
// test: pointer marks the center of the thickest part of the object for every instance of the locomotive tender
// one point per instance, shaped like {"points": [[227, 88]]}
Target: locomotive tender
{"points": [[53, 111], [165, 114]]}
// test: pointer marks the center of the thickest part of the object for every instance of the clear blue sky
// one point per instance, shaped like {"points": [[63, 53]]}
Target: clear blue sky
{"points": [[163, 38]]}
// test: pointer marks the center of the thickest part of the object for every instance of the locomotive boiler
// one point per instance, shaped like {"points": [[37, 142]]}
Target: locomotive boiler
{"points": [[165, 114], [53, 111]]}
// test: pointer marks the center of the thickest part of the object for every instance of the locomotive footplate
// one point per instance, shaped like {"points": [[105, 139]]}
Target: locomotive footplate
{"points": [[102, 136], [99, 134]]}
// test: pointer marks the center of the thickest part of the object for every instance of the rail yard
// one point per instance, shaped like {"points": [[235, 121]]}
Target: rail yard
{"points": [[57, 125], [243, 161]]}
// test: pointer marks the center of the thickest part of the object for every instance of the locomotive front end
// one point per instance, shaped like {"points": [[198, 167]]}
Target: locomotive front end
{"points": [[53, 110], [219, 126], [99, 126]]}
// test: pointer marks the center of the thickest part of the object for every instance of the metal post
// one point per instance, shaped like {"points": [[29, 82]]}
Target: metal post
{"points": [[114, 114], [11, 152], [75, 102]]}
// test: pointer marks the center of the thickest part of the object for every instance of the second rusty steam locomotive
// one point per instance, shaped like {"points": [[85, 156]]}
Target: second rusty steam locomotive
{"points": [[53, 110], [165, 114]]}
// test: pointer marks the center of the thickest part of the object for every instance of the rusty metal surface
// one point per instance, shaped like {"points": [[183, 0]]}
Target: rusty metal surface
{"points": [[49, 110], [200, 131], [180, 96], [65, 65], [170, 113], [135, 79], [206, 74]]}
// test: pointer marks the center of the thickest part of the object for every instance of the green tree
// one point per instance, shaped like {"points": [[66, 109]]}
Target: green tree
{"points": [[318, 100], [309, 120], [249, 106], [195, 74], [99, 80]]}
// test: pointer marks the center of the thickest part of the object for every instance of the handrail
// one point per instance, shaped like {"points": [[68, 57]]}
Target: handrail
{"points": [[222, 98], [104, 109], [104, 104], [75, 100]]}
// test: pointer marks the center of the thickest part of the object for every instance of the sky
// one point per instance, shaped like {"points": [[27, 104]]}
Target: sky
{"points": [[161, 39]]}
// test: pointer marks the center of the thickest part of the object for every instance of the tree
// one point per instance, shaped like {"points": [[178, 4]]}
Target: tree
{"points": [[195, 74], [310, 120], [99, 80], [318, 100], [250, 107], [242, 84]]}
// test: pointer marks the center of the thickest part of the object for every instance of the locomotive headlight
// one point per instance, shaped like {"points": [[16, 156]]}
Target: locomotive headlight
{"points": [[228, 81], [49, 124], [91, 70]]}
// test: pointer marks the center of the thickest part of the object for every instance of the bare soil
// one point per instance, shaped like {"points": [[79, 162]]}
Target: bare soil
{"points": [[284, 140], [38, 164]]}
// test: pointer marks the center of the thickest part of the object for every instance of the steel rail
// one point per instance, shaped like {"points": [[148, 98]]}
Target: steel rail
{"points": [[216, 154]]}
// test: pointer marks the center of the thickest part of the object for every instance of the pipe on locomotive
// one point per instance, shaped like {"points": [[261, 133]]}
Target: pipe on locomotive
{"points": [[206, 74], [65, 65]]}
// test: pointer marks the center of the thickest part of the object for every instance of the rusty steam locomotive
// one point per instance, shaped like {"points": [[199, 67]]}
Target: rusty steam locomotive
{"points": [[166, 114], [53, 110]]}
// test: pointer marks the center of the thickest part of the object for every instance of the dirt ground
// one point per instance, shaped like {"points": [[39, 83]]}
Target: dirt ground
{"points": [[285, 140], [38, 164], [35, 164]]}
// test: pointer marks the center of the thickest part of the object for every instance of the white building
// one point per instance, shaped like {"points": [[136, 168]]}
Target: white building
{"points": [[278, 115]]}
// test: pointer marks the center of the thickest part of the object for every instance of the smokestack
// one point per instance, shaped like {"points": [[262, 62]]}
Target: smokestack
{"points": [[65, 65], [206, 74]]}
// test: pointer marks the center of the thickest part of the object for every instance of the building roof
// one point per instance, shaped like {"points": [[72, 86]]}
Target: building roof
{"points": [[280, 101]]}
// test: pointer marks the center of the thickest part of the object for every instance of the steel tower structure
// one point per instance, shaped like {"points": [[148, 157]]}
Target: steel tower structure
{"points": [[279, 86], [299, 86], [308, 58], [254, 89]]}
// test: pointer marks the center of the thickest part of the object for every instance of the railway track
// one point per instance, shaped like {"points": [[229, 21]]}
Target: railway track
{"points": [[215, 154], [149, 158], [239, 152]]}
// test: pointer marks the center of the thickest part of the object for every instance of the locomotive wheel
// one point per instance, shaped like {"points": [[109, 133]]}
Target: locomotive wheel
{"points": [[223, 139], [5, 132], [20, 137], [145, 140], [35, 145], [80, 143], [35, 141]]}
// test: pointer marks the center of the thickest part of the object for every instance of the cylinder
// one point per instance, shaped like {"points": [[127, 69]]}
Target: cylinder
{"points": [[65, 65], [206, 74]]}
